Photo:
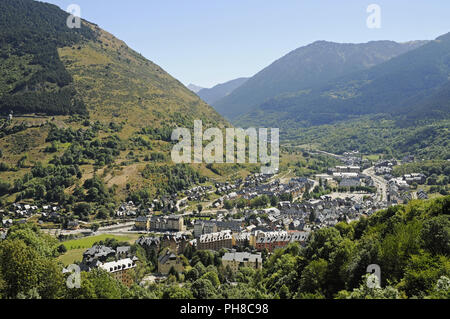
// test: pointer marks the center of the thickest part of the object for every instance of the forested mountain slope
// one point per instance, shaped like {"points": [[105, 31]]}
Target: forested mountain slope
{"points": [[306, 68]]}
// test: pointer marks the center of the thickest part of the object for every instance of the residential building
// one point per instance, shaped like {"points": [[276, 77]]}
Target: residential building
{"points": [[176, 243], [237, 260], [167, 223], [169, 260], [142, 223], [202, 227], [241, 240], [276, 240], [150, 244], [215, 241], [120, 270]]}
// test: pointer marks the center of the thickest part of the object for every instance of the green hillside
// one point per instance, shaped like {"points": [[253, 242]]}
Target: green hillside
{"points": [[409, 86], [306, 68], [376, 134], [90, 115], [32, 77]]}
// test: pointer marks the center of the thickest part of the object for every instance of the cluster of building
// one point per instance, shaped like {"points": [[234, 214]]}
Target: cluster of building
{"points": [[384, 168], [421, 194], [128, 209], [348, 176], [233, 260], [197, 193], [354, 158], [117, 262], [25, 210]]}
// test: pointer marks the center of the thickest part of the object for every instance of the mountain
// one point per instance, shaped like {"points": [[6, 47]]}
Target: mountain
{"points": [[91, 118], [194, 88], [412, 86], [48, 68], [220, 91], [308, 67]]}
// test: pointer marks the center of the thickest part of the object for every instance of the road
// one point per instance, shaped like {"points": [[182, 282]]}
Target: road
{"points": [[102, 230], [380, 183]]}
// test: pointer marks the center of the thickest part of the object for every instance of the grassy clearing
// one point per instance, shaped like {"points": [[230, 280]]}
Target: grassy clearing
{"points": [[373, 157], [76, 247], [72, 256], [88, 242]]}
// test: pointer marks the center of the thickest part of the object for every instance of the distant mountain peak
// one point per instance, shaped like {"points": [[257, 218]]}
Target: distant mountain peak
{"points": [[444, 37], [220, 91], [194, 88]]}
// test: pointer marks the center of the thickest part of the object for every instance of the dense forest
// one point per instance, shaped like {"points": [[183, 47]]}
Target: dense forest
{"points": [[32, 76], [377, 135]]}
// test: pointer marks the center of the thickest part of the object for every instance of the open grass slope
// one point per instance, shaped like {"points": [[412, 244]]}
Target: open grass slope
{"points": [[116, 83]]}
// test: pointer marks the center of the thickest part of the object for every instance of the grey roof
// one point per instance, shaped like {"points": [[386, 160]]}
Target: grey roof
{"points": [[349, 182], [148, 241], [242, 257], [99, 251], [123, 249], [168, 256], [223, 235]]}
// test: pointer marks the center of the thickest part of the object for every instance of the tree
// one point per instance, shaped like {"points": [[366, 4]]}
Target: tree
{"points": [[192, 275], [62, 249], [44, 244], [274, 201], [213, 278], [314, 277], [32, 294], [312, 217], [82, 209], [203, 289], [436, 235], [95, 227], [227, 204], [173, 272], [422, 272], [442, 289], [98, 284], [175, 292], [365, 291], [23, 269]]}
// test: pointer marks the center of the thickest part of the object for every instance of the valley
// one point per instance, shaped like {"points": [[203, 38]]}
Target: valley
{"points": [[89, 184]]}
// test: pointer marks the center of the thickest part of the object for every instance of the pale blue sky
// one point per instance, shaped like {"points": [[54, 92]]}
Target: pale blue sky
{"points": [[206, 42]]}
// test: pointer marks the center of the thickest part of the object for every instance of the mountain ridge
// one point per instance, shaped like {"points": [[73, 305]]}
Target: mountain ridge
{"points": [[221, 90], [396, 87], [307, 67]]}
